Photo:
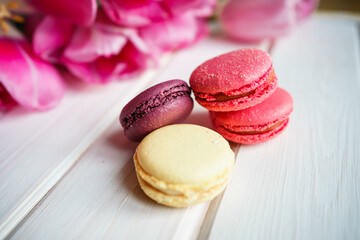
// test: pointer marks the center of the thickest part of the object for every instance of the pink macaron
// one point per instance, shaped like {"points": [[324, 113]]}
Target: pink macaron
{"points": [[256, 124], [234, 81]]}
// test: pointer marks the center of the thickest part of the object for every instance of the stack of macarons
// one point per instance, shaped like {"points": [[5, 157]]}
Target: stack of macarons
{"points": [[240, 89], [182, 164], [176, 165]]}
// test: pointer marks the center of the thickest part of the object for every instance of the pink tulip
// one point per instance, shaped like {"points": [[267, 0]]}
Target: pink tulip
{"points": [[79, 12], [255, 20], [6, 101], [100, 53], [138, 13], [50, 36], [134, 13], [197, 8], [127, 64], [125, 38], [176, 33], [164, 25], [29, 80]]}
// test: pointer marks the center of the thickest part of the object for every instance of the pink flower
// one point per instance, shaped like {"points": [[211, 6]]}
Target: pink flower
{"points": [[6, 101], [50, 37], [145, 12], [164, 25], [100, 53], [255, 20], [118, 40], [79, 12], [178, 32], [27, 79], [105, 52]]}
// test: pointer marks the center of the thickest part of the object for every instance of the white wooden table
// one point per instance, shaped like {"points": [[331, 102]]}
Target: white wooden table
{"points": [[68, 173]]}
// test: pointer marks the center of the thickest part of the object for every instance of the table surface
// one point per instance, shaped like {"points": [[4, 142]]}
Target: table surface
{"points": [[68, 173]]}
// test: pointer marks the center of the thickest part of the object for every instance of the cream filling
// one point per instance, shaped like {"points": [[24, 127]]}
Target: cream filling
{"points": [[221, 97], [182, 190], [257, 132]]}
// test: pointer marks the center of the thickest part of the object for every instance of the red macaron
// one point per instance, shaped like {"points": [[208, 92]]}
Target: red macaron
{"points": [[234, 81], [258, 123]]}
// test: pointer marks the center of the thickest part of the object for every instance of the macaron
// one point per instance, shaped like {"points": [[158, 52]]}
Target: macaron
{"points": [[256, 124], [183, 164], [234, 81], [165, 103]]}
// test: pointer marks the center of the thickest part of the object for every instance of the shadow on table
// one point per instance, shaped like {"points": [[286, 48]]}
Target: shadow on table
{"points": [[136, 197], [118, 140], [199, 118], [127, 176]]}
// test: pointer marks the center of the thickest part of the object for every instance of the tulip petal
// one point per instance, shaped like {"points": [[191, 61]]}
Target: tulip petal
{"points": [[80, 12], [31, 23], [199, 8], [50, 36], [130, 61], [105, 52], [37, 85], [173, 34], [88, 44], [255, 20], [305, 8], [6, 101], [134, 13], [136, 60]]}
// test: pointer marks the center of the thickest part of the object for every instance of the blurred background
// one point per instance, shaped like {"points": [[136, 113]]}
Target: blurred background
{"points": [[336, 5], [340, 5]]}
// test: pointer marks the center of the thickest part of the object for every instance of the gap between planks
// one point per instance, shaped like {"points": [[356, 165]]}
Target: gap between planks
{"points": [[206, 226], [45, 186], [42, 190], [208, 221]]}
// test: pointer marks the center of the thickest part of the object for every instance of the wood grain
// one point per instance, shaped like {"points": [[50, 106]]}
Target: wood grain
{"points": [[39, 148], [101, 192], [305, 183]]}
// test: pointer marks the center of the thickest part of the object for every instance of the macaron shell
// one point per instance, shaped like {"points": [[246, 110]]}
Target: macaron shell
{"points": [[274, 110], [171, 112], [252, 138], [261, 93], [185, 153], [146, 95], [277, 106], [165, 103], [179, 195], [230, 71], [181, 165], [179, 200]]}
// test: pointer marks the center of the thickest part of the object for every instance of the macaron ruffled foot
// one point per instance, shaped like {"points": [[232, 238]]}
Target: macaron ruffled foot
{"points": [[183, 164], [234, 81], [258, 123]]}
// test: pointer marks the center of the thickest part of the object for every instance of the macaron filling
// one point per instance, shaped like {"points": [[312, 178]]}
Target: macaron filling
{"points": [[258, 123], [246, 91], [156, 101], [181, 190], [183, 164], [255, 129], [251, 136]]}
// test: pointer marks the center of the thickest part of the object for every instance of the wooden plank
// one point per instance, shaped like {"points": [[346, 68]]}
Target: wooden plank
{"points": [[100, 197], [105, 198], [39, 148], [305, 183]]}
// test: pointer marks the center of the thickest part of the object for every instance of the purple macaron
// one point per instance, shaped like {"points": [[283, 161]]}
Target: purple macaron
{"points": [[165, 103]]}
